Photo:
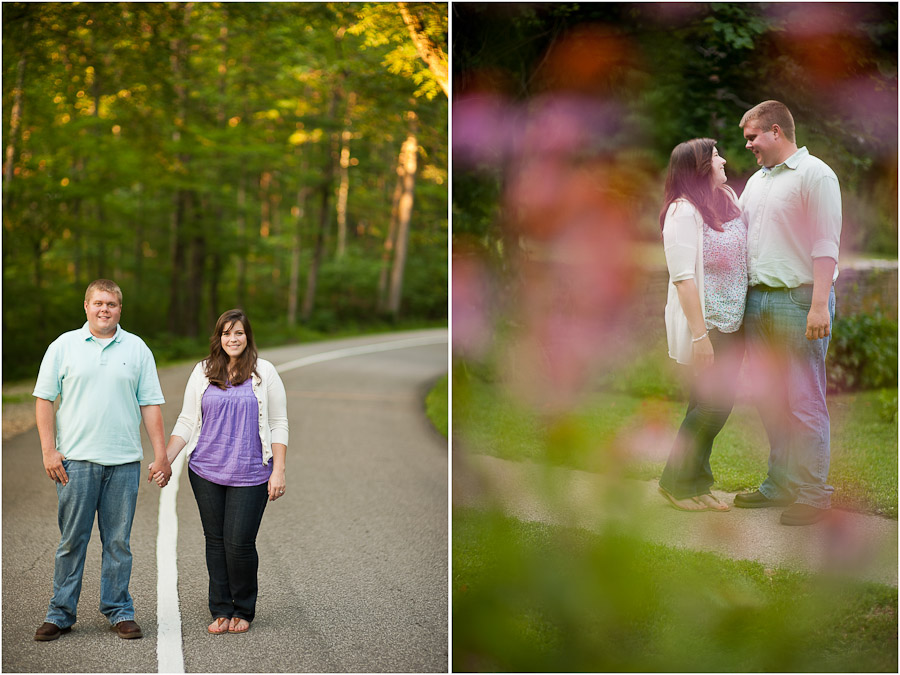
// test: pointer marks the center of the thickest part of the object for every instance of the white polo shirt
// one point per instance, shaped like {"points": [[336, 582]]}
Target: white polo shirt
{"points": [[793, 215], [103, 388]]}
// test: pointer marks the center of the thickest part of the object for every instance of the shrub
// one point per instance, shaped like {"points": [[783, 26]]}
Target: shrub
{"points": [[863, 353]]}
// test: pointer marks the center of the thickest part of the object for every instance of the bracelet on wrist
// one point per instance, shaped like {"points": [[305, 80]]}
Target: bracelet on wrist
{"points": [[697, 339]]}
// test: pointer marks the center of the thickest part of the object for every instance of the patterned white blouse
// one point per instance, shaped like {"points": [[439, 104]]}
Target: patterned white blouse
{"points": [[725, 275]]}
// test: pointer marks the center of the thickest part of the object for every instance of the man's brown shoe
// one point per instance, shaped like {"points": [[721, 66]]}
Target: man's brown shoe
{"points": [[802, 514], [128, 630], [49, 631], [757, 500]]}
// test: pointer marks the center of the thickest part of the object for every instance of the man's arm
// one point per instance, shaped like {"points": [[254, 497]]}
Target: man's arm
{"points": [[153, 423], [53, 460], [818, 321]]}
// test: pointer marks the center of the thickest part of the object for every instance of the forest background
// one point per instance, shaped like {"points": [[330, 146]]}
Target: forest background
{"points": [[287, 158]]}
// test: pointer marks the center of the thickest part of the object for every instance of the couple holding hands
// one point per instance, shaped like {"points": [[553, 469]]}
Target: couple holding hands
{"points": [[753, 273], [234, 428]]}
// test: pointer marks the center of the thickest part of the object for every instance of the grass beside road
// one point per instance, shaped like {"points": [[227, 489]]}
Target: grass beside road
{"points": [[436, 406], [614, 428], [532, 597]]}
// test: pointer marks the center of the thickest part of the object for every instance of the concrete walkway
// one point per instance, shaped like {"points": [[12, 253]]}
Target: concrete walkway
{"points": [[847, 544]]}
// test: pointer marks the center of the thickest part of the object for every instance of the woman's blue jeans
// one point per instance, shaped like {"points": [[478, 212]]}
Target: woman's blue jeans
{"points": [[791, 405], [231, 517], [687, 472], [111, 493]]}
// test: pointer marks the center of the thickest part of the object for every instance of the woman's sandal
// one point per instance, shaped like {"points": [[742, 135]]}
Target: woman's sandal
{"points": [[713, 502], [216, 627], [235, 626], [676, 503]]}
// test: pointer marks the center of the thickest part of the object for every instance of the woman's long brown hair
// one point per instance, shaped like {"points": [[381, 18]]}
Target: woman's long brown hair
{"points": [[690, 177], [217, 361]]}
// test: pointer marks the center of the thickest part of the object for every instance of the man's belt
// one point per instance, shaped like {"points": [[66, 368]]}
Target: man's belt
{"points": [[773, 289]]}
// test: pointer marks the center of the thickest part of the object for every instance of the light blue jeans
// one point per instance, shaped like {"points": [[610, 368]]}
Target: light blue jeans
{"points": [[110, 492], [790, 393]]}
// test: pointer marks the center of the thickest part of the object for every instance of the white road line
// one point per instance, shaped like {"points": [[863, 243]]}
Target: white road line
{"points": [[169, 651], [362, 349]]}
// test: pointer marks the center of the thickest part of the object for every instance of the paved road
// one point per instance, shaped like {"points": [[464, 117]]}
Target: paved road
{"points": [[849, 544], [353, 560]]}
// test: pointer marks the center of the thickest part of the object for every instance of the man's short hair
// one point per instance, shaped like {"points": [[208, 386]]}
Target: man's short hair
{"points": [[768, 113], [103, 285]]}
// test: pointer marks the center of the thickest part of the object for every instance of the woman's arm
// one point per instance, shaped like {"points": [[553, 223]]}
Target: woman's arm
{"points": [[277, 407], [184, 427], [689, 297]]}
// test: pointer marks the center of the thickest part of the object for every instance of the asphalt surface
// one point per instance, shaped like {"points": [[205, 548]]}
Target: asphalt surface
{"points": [[849, 545], [353, 559]]}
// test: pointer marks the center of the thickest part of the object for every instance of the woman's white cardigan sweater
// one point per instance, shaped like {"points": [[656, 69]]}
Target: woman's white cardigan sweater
{"points": [[683, 240], [269, 391]]}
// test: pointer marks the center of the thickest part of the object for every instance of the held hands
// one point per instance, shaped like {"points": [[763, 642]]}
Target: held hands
{"points": [[53, 465], [818, 323], [159, 472]]}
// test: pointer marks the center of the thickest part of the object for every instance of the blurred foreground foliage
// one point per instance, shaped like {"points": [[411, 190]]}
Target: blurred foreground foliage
{"points": [[531, 598]]}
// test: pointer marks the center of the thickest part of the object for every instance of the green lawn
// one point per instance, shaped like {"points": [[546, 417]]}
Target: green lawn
{"points": [[530, 597], [618, 429]]}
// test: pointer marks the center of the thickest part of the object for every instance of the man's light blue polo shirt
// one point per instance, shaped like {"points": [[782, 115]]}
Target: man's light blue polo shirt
{"points": [[103, 389]]}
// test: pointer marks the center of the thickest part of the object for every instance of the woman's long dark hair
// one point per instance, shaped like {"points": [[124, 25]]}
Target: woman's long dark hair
{"points": [[690, 177], [217, 361]]}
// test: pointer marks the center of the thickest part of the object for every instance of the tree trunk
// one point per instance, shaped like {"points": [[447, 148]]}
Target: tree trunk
{"points": [[178, 58], [312, 277], [241, 292], [299, 212], [390, 239], [430, 52], [404, 216], [15, 121], [344, 187]]}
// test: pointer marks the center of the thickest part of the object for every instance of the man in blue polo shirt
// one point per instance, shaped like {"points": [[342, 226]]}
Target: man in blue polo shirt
{"points": [[107, 381]]}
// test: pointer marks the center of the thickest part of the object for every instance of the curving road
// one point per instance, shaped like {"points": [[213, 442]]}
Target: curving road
{"points": [[353, 560]]}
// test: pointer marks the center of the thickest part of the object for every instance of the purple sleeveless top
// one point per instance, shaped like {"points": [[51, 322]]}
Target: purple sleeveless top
{"points": [[229, 451]]}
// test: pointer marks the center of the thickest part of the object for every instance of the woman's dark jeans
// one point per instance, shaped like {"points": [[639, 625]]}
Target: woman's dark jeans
{"points": [[230, 518], [687, 473]]}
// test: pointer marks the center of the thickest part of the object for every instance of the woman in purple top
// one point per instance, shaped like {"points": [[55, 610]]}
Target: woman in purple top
{"points": [[705, 242], [235, 428]]}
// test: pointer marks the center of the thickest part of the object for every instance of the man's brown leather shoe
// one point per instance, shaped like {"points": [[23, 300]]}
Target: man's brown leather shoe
{"points": [[757, 500], [49, 631], [128, 630], [803, 514]]}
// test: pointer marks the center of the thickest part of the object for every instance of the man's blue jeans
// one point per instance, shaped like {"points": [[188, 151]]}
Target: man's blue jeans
{"points": [[790, 393], [110, 492]]}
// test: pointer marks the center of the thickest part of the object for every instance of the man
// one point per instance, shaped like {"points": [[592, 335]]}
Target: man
{"points": [[793, 211], [108, 383]]}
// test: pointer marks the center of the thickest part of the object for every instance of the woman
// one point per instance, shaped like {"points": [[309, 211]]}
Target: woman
{"points": [[235, 428], [705, 242]]}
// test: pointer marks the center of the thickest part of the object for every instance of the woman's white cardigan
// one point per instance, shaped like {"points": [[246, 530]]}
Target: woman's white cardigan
{"points": [[683, 242], [269, 391]]}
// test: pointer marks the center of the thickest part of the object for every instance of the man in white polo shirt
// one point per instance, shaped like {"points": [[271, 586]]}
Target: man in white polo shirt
{"points": [[108, 383], [792, 207]]}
